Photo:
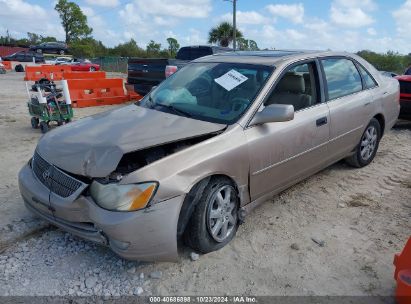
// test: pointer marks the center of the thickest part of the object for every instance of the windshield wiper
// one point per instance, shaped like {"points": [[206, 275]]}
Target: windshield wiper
{"points": [[170, 107], [175, 110]]}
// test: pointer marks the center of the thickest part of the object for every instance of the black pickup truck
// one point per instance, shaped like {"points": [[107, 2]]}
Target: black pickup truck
{"points": [[144, 73]]}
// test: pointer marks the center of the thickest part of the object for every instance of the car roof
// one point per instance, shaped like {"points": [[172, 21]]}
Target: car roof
{"points": [[267, 57]]}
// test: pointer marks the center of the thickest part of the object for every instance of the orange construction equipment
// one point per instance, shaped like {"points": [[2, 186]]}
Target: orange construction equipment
{"points": [[402, 274], [84, 75], [97, 92], [7, 65], [51, 72]]}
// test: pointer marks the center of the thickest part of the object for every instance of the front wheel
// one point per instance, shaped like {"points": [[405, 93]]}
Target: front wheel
{"points": [[368, 145], [92, 69], [44, 127], [61, 52], [214, 222]]}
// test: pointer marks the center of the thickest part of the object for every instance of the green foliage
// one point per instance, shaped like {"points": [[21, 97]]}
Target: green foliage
{"points": [[153, 48], [127, 49], [73, 20], [390, 61], [253, 45], [173, 46], [88, 48], [247, 45], [34, 39], [223, 34]]}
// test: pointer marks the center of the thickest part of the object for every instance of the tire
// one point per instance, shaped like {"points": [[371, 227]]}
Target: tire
{"points": [[19, 68], [60, 122], [44, 127], [39, 51], [92, 69], [61, 52], [34, 122], [367, 147], [212, 213]]}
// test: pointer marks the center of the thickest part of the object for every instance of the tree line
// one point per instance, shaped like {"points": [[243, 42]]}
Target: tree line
{"points": [[83, 45], [390, 61]]}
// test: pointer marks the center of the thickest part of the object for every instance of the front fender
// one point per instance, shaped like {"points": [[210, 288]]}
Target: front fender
{"points": [[225, 154]]}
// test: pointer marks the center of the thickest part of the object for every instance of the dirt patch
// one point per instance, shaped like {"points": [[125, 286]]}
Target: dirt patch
{"points": [[406, 184], [360, 200]]}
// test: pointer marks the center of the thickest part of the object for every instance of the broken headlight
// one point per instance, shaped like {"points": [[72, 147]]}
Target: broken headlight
{"points": [[122, 197]]}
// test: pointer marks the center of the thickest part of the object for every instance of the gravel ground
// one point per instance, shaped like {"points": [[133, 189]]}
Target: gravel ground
{"points": [[334, 234]]}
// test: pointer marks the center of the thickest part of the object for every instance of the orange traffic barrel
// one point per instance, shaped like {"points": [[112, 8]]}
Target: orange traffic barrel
{"points": [[403, 292], [402, 274]]}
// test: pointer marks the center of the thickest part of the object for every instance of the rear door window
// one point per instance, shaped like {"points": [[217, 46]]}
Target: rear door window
{"points": [[342, 77], [369, 81]]}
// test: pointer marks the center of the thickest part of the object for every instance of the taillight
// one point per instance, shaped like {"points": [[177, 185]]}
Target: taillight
{"points": [[170, 70]]}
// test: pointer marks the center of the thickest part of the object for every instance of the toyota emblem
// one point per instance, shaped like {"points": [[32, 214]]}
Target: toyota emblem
{"points": [[46, 174]]}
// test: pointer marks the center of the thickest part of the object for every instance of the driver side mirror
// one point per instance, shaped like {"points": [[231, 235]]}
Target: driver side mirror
{"points": [[273, 113]]}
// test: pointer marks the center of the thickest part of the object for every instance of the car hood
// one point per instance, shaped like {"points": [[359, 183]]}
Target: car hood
{"points": [[93, 146]]}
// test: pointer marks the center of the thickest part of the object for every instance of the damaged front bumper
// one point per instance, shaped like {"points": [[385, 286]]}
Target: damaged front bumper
{"points": [[149, 234]]}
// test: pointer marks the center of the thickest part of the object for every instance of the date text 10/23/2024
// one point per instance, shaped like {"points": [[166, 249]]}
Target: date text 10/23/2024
{"points": [[204, 299]]}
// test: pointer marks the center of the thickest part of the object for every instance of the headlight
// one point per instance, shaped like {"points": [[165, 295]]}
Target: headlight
{"points": [[122, 197]]}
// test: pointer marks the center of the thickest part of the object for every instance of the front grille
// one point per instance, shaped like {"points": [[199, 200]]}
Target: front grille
{"points": [[405, 87], [54, 179]]}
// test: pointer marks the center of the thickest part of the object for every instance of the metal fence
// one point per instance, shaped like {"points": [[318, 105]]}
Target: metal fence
{"points": [[112, 64]]}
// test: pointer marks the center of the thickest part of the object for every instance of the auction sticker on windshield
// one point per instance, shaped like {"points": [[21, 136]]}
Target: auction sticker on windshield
{"points": [[230, 80]]}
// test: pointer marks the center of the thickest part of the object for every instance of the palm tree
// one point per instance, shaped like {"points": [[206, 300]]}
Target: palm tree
{"points": [[223, 34]]}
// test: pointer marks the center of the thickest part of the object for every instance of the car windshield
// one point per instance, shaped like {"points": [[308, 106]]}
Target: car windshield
{"points": [[214, 92]]}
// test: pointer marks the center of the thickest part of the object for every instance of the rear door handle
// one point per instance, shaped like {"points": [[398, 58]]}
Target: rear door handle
{"points": [[321, 121]]}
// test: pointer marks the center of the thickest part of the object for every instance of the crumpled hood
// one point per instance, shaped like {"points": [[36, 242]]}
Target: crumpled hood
{"points": [[93, 146]]}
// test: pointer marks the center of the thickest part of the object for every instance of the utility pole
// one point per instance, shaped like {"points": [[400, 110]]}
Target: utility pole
{"points": [[234, 24]]}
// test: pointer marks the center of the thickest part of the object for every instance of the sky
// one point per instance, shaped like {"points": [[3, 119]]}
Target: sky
{"points": [[349, 25]]}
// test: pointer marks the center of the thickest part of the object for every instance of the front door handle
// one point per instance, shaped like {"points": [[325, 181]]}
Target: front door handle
{"points": [[321, 121]]}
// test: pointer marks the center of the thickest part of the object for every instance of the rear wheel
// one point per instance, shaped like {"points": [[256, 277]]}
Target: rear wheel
{"points": [[214, 222], [92, 69], [44, 127], [34, 122], [61, 52], [368, 145]]}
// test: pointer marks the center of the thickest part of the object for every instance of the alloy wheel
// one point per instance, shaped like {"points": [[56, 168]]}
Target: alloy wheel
{"points": [[368, 143], [222, 213]]}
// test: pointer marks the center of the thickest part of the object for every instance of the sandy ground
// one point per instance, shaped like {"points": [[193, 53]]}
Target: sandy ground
{"points": [[361, 215]]}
